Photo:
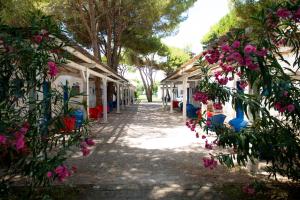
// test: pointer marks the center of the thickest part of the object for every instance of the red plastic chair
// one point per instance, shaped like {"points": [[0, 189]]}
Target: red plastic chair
{"points": [[94, 113], [70, 123], [175, 104]]}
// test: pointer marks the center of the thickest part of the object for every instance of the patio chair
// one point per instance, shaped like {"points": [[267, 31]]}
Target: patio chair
{"points": [[216, 121]]}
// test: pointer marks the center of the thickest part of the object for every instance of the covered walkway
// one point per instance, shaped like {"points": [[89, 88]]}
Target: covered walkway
{"points": [[146, 153]]}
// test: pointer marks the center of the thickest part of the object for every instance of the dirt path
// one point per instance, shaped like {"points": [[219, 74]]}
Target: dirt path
{"points": [[147, 153]]}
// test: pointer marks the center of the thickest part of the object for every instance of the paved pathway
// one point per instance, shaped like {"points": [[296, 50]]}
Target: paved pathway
{"points": [[147, 153]]}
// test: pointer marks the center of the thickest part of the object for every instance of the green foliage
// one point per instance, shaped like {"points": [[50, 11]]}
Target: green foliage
{"points": [[32, 113], [175, 57], [228, 22], [272, 138]]}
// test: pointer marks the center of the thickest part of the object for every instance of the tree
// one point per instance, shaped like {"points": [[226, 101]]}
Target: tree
{"points": [[175, 57], [254, 55], [37, 128]]}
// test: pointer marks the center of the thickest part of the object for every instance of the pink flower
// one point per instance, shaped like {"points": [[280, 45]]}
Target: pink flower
{"points": [[217, 106], [249, 49], [225, 48], [20, 143], [208, 122], [291, 107], [239, 73], [89, 141], [62, 172], [236, 44], [53, 70], [277, 105], [243, 84], [203, 137], [222, 81], [285, 93], [262, 53], [297, 14], [209, 163], [85, 151], [74, 169], [197, 135], [230, 79], [49, 174], [248, 61], [38, 38], [3, 139], [283, 13], [253, 67], [237, 57], [201, 96], [207, 145], [248, 189]]}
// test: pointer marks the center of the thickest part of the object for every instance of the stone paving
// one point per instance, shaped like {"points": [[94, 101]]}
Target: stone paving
{"points": [[148, 153]]}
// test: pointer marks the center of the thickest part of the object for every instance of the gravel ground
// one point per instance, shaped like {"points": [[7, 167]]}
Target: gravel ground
{"points": [[147, 153]]}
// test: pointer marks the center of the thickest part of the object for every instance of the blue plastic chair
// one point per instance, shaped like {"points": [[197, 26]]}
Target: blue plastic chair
{"points": [[191, 111], [216, 121]]}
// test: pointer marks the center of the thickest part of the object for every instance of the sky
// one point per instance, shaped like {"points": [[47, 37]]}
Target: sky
{"points": [[201, 17]]}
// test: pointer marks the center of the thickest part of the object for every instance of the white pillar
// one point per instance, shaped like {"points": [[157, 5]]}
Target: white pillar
{"points": [[184, 98], [127, 95], [118, 98], [86, 91], [163, 96], [122, 94], [191, 92], [172, 98], [104, 99]]}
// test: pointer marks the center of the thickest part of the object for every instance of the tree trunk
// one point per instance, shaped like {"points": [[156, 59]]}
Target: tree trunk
{"points": [[149, 94]]}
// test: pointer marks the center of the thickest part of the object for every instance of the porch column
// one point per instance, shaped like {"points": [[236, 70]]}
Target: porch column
{"points": [[118, 98], [127, 95], [104, 99], [184, 98], [172, 98], [86, 91], [163, 96], [122, 94]]}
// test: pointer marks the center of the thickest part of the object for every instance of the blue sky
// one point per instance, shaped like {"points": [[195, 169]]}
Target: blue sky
{"points": [[201, 17]]}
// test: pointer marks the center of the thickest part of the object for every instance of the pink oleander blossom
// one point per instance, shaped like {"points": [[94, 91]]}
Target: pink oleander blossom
{"points": [[20, 142], [62, 172], [243, 84], [248, 61], [290, 107], [89, 141], [248, 190], [217, 106], [3, 139], [208, 145], [49, 174], [236, 44], [85, 151], [249, 49], [203, 137], [197, 135], [209, 163], [223, 81], [283, 13], [208, 123], [225, 48], [253, 66], [285, 93], [201, 96], [53, 70], [37, 38], [262, 53]]}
